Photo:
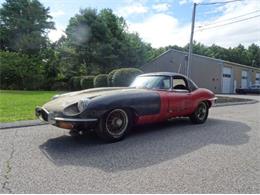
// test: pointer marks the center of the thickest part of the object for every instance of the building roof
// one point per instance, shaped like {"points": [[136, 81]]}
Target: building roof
{"points": [[163, 74], [201, 56]]}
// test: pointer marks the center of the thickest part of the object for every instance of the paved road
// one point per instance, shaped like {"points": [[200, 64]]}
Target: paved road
{"points": [[220, 156]]}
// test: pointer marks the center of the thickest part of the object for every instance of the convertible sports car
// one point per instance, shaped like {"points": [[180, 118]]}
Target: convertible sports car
{"points": [[112, 111]]}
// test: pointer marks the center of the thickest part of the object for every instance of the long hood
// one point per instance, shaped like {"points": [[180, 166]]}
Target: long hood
{"points": [[67, 99]]}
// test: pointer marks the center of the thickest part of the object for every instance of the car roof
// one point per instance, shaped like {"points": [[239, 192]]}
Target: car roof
{"points": [[163, 74]]}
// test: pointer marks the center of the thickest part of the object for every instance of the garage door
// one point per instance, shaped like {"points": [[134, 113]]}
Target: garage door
{"points": [[244, 79], [257, 78], [226, 80]]}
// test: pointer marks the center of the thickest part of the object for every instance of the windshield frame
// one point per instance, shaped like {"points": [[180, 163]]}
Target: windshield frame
{"points": [[156, 89]]}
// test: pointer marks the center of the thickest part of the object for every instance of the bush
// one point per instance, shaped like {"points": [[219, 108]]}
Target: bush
{"points": [[87, 82], [100, 80], [125, 76], [75, 83], [59, 86], [110, 77], [71, 81], [20, 71]]}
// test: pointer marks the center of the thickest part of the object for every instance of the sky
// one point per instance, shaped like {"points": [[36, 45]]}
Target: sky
{"points": [[168, 22]]}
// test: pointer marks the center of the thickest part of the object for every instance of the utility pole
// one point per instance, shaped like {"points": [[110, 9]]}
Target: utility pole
{"points": [[191, 39]]}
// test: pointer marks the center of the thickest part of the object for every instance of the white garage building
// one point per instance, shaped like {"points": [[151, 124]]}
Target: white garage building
{"points": [[217, 75]]}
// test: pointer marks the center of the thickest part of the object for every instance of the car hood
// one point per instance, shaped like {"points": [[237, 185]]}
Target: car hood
{"points": [[67, 99]]}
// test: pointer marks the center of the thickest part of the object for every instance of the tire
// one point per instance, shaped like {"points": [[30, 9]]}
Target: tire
{"points": [[114, 125], [200, 115]]}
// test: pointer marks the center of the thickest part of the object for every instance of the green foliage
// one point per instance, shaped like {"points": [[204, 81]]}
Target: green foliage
{"points": [[101, 42], [254, 55], [19, 71], [96, 42], [101, 80], [87, 82], [110, 77], [60, 86], [74, 83], [23, 26], [239, 54], [125, 76]]}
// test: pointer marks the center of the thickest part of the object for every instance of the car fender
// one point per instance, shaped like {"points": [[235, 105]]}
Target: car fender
{"points": [[147, 103], [201, 95]]}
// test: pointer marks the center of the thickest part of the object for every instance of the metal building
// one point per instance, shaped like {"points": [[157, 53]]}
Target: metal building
{"points": [[217, 75]]}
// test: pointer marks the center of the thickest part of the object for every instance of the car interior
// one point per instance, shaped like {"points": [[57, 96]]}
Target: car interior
{"points": [[179, 83]]}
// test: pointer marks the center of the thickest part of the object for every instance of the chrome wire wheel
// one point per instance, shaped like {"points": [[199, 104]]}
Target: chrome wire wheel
{"points": [[201, 111], [116, 122]]}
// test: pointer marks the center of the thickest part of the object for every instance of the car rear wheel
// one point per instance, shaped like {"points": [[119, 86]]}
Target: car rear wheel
{"points": [[201, 113], [114, 125]]}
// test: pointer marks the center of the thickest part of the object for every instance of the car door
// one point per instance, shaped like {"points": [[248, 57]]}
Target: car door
{"points": [[179, 97]]}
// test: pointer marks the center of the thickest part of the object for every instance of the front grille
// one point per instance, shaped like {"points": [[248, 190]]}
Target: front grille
{"points": [[41, 113], [44, 115]]}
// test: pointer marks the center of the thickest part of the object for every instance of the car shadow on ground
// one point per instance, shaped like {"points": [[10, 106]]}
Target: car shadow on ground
{"points": [[145, 146]]}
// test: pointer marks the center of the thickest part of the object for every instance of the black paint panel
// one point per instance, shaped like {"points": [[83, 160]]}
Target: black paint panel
{"points": [[144, 102]]}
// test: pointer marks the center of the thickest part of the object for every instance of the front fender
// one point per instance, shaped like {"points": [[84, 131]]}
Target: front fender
{"points": [[147, 103]]}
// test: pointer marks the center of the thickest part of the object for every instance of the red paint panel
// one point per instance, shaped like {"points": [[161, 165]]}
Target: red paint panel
{"points": [[175, 104]]}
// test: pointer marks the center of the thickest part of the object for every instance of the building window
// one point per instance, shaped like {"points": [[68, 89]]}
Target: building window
{"points": [[227, 75]]}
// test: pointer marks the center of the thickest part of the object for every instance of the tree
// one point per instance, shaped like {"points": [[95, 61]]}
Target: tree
{"points": [[24, 25], [102, 43], [253, 53], [20, 71]]}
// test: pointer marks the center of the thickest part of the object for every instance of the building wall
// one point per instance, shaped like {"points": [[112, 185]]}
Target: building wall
{"points": [[237, 72], [205, 72]]}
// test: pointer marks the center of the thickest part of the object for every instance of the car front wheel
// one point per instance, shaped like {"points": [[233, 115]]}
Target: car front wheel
{"points": [[114, 125], [201, 113]]}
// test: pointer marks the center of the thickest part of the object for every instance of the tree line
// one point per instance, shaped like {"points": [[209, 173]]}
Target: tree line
{"points": [[96, 42]]}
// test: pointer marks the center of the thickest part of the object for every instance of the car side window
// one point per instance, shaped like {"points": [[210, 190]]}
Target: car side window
{"points": [[163, 83], [192, 85], [166, 83], [180, 83]]}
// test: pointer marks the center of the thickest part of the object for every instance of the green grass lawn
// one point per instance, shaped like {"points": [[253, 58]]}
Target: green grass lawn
{"points": [[20, 105]]}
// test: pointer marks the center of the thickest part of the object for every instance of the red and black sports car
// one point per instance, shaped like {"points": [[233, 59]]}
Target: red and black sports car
{"points": [[112, 111]]}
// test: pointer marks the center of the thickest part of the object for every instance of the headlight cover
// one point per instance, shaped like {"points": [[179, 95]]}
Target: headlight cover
{"points": [[82, 104]]}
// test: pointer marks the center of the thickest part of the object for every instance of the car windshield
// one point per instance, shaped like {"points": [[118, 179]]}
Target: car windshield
{"points": [[152, 82]]}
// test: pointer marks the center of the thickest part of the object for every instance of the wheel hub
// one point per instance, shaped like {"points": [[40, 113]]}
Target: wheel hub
{"points": [[116, 122], [119, 122]]}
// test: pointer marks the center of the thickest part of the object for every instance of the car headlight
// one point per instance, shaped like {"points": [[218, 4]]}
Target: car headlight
{"points": [[82, 104]]}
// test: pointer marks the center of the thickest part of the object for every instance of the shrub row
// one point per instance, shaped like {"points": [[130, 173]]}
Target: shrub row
{"points": [[87, 82], [124, 77], [20, 71], [101, 80], [116, 78]]}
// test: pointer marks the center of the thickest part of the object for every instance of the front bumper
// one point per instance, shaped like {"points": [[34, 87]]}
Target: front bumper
{"points": [[213, 101], [63, 122]]}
